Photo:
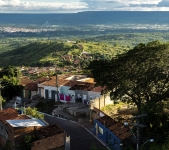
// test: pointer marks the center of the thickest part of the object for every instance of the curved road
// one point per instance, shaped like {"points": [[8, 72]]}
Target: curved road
{"points": [[80, 139]]}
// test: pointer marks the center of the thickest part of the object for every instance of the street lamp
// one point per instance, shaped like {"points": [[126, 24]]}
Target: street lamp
{"points": [[149, 140], [127, 124], [91, 109], [136, 137]]}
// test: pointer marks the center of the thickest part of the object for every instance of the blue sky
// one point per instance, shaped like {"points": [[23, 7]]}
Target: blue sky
{"points": [[73, 6]]}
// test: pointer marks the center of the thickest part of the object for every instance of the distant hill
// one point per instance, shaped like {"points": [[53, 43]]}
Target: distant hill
{"points": [[90, 17], [47, 53]]}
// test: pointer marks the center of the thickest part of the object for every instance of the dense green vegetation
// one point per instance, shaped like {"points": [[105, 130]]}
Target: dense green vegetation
{"points": [[34, 113], [45, 53], [131, 39], [9, 82], [42, 51], [140, 76]]}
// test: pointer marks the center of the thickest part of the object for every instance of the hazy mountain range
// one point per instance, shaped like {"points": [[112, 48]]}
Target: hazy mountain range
{"points": [[82, 18]]}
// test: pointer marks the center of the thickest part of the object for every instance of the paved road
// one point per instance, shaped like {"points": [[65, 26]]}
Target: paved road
{"points": [[80, 139]]}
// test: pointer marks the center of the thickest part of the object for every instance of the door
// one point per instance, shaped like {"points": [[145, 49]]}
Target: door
{"points": [[40, 92], [47, 94], [53, 95]]}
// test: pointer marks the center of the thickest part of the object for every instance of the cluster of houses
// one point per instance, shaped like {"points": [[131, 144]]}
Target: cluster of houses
{"points": [[65, 88], [14, 128]]}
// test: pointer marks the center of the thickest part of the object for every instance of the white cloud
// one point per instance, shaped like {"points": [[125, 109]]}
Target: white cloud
{"points": [[127, 5], [55, 6], [30, 6]]}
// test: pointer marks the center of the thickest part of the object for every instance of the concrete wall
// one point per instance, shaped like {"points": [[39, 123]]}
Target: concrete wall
{"points": [[6, 135], [93, 95], [89, 94], [101, 102], [55, 142]]}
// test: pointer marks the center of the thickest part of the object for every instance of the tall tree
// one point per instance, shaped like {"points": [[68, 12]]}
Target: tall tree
{"points": [[141, 74], [10, 81]]}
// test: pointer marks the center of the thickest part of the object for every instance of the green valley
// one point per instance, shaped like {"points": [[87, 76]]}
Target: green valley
{"points": [[45, 53]]}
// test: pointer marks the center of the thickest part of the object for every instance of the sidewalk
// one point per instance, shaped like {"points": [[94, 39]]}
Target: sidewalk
{"points": [[89, 126], [60, 113]]}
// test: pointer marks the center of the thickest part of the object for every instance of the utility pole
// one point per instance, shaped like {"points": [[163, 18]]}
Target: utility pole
{"points": [[138, 133], [57, 97], [138, 125], [57, 91], [1, 97]]}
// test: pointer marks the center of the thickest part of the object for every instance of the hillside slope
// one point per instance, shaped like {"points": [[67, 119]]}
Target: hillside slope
{"points": [[47, 53]]}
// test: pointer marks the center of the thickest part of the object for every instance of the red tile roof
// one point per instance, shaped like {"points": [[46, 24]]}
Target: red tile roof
{"points": [[61, 81], [118, 128], [41, 80], [25, 80], [31, 86], [86, 85], [11, 114], [48, 131]]}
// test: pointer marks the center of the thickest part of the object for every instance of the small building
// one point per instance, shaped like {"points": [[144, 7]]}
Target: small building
{"points": [[50, 88], [30, 90], [7, 132], [14, 128], [114, 134], [40, 86], [23, 81], [86, 91]]}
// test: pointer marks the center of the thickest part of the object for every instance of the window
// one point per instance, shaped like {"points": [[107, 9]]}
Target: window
{"points": [[100, 130], [107, 137]]}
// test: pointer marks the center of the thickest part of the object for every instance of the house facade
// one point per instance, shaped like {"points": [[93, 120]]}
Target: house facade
{"points": [[85, 92], [70, 88], [63, 86], [64, 82], [114, 134]]}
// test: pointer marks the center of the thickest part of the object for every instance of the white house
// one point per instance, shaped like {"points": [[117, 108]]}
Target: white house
{"points": [[63, 87], [70, 88]]}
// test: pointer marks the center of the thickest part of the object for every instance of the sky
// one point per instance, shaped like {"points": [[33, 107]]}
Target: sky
{"points": [[74, 6]]}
